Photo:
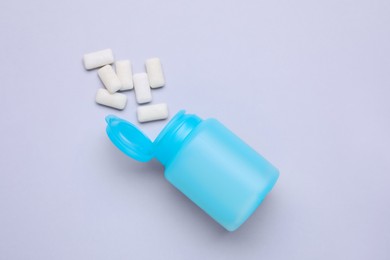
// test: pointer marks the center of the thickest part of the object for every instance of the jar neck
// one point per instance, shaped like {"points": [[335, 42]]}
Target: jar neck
{"points": [[171, 138]]}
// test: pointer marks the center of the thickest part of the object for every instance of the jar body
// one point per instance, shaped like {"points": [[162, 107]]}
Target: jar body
{"points": [[221, 174]]}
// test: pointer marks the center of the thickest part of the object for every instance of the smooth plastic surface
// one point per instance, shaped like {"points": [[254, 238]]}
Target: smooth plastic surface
{"points": [[221, 174], [204, 160], [129, 139]]}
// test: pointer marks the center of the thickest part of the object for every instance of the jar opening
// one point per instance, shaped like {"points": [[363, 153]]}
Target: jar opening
{"points": [[171, 138]]}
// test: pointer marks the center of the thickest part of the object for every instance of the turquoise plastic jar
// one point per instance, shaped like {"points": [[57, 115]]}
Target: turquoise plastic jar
{"points": [[204, 160]]}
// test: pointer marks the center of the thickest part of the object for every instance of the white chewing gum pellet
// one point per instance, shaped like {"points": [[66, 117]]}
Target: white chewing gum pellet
{"points": [[98, 59], [109, 79], [124, 73], [116, 100], [155, 72], [152, 112], [142, 90]]}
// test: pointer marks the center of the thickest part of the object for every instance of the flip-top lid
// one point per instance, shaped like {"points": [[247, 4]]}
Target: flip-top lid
{"points": [[129, 139]]}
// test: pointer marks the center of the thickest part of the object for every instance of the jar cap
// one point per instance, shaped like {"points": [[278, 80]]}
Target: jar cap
{"points": [[129, 139]]}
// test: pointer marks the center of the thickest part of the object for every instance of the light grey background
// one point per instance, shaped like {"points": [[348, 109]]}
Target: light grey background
{"points": [[306, 83]]}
